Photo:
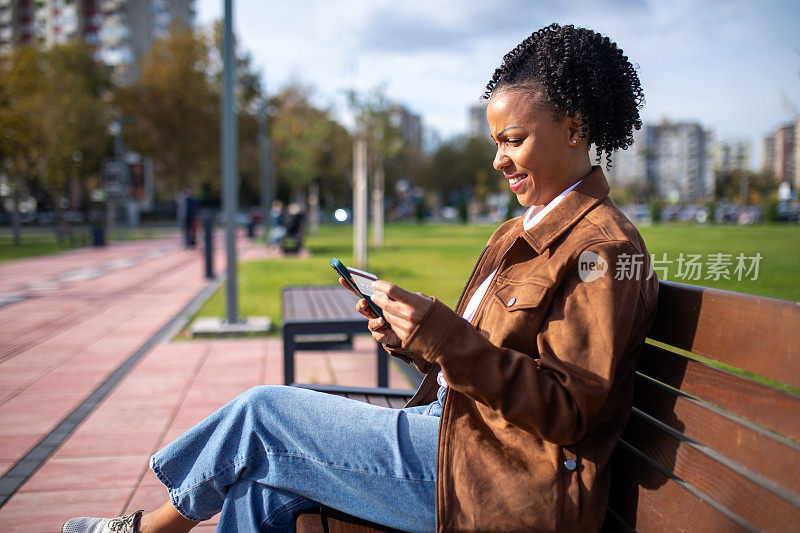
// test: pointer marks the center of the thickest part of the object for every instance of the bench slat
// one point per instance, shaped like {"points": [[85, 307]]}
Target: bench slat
{"points": [[377, 399], [758, 451], [339, 302], [309, 522], [326, 306], [773, 409], [359, 397], [729, 488], [649, 501], [296, 304], [398, 403], [319, 303], [760, 335]]}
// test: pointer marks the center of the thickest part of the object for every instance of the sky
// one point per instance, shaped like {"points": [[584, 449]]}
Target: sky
{"points": [[731, 65]]}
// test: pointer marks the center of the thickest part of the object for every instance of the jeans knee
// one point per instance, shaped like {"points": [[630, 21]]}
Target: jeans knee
{"points": [[264, 395]]}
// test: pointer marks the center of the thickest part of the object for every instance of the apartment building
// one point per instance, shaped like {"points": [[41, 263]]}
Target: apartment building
{"points": [[780, 153], [408, 124], [476, 117], [672, 160], [121, 31], [731, 155]]}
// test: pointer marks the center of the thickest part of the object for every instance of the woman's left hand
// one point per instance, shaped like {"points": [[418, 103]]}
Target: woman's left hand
{"points": [[402, 310]]}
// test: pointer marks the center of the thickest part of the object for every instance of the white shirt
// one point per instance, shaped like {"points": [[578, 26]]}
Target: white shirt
{"points": [[533, 216]]}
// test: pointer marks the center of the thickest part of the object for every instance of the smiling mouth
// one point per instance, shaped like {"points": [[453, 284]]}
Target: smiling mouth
{"points": [[515, 181]]}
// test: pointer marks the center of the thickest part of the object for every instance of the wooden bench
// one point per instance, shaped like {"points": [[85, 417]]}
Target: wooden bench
{"points": [[713, 441], [323, 318]]}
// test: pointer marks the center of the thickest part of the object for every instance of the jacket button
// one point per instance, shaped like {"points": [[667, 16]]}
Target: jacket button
{"points": [[570, 464], [511, 302]]}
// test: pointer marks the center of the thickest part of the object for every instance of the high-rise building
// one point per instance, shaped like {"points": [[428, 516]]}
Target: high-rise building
{"points": [[121, 31], [679, 162], [671, 160], [478, 126], [780, 153], [731, 155], [784, 153], [797, 154], [628, 166], [409, 124], [768, 154]]}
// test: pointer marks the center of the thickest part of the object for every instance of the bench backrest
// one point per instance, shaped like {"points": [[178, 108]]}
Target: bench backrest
{"points": [[712, 442]]}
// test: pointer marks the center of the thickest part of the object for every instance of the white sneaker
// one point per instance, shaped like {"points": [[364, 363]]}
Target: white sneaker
{"points": [[128, 523]]}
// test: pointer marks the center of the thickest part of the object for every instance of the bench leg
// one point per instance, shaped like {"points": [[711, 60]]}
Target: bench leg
{"points": [[383, 366], [288, 356]]}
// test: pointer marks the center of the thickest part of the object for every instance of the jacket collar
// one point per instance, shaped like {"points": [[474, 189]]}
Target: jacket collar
{"points": [[589, 192]]}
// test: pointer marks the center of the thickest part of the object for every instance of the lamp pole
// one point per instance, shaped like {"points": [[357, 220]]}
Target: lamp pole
{"points": [[360, 199], [229, 170], [265, 147]]}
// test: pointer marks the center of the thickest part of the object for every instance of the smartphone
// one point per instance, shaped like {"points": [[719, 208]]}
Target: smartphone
{"points": [[359, 281]]}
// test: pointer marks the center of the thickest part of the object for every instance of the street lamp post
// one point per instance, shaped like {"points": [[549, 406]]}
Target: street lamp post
{"points": [[232, 324], [229, 170], [265, 148]]}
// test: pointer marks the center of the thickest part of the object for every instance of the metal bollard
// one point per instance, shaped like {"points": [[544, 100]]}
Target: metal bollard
{"points": [[208, 228]]}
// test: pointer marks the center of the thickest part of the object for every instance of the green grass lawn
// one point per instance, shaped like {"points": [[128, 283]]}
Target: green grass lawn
{"points": [[40, 241], [437, 259]]}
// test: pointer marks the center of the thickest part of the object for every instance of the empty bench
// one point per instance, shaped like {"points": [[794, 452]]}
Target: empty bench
{"points": [[713, 440], [322, 318]]}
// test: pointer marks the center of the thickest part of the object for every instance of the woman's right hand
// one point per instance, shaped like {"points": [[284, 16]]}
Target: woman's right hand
{"points": [[381, 331]]}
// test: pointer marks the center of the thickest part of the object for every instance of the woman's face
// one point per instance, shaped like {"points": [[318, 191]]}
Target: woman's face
{"points": [[535, 151]]}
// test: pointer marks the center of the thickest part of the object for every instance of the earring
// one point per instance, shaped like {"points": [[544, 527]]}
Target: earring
{"points": [[574, 141]]}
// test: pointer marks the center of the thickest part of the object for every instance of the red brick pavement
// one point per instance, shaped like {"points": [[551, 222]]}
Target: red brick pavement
{"points": [[101, 469]]}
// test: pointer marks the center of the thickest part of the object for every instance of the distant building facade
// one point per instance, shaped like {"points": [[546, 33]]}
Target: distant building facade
{"points": [[628, 166], [797, 154], [120, 31], [409, 124], [731, 155], [478, 125], [780, 153], [768, 154], [679, 161], [671, 160]]}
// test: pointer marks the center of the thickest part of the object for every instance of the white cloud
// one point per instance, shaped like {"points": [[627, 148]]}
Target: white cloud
{"points": [[723, 63]]}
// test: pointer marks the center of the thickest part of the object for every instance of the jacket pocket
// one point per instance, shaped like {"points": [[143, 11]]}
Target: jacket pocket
{"points": [[515, 297], [514, 315]]}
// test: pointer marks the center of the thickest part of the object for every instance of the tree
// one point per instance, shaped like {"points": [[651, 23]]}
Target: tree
{"points": [[22, 90], [310, 146], [460, 170], [374, 119], [73, 121], [172, 110], [730, 185]]}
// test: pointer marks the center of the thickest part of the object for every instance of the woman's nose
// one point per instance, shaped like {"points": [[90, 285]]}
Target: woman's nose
{"points": [[501, 160]]}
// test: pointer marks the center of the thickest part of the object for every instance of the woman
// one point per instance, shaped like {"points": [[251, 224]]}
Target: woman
{"points": [[528, 382]]}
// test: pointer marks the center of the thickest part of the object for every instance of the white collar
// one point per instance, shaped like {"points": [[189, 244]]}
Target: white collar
{"points": [[536, 213]]}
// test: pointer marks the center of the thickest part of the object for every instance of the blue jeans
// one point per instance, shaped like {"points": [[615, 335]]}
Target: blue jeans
{"points": [[274, 451]]}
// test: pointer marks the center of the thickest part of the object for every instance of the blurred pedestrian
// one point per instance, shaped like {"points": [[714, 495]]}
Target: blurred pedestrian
{"points": [[189, 219], [277, 230]]}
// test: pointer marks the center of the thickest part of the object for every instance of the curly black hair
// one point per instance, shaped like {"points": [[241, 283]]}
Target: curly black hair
{"points": [[583, 74]]}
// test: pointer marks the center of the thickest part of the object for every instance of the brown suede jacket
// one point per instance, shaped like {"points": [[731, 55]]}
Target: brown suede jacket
{"points": [[541, 381]]}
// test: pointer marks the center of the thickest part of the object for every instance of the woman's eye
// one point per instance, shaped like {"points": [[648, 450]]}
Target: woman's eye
{"points": [[515, 142]]}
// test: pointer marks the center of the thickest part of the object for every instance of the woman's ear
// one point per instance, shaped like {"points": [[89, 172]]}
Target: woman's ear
{"points": [[578, 130]]}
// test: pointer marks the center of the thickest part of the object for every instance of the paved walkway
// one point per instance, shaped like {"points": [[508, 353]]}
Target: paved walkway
{"points": [[84, 313]]}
